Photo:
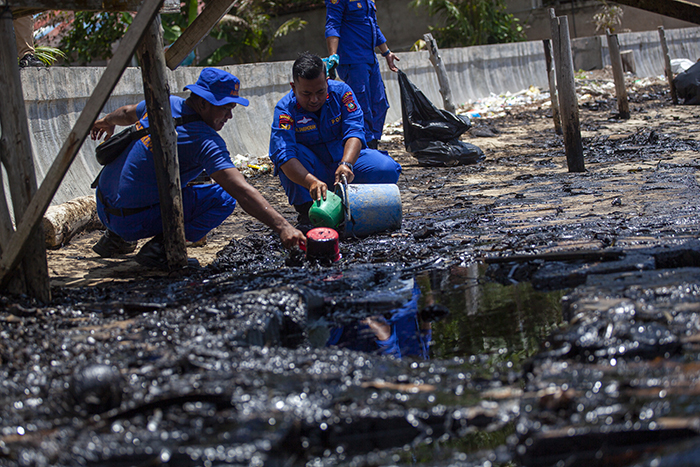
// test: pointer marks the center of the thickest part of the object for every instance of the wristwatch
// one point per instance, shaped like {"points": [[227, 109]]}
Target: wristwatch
{"points": [[384, 54], [348, 164]]}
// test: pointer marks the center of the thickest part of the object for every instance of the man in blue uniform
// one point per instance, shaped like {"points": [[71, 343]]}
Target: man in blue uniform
{"points": [[318, 137], [127, 192], [352, 33]]}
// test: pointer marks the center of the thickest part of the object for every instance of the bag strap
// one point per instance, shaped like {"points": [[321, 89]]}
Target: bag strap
{"points": [[184, 120]]}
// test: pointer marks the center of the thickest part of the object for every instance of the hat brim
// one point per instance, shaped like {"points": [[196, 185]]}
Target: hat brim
{"points": [[209, 97]]}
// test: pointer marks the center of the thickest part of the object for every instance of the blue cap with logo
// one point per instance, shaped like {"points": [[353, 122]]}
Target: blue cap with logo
{"points": [[218, 87]]}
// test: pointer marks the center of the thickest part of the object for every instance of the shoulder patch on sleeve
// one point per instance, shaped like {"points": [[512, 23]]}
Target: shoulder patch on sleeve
{"points": [[349, 102], [286, 121]]}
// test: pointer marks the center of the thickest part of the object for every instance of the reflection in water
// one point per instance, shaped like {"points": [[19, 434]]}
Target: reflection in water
{"points": [[402, 332], [485, 319]]}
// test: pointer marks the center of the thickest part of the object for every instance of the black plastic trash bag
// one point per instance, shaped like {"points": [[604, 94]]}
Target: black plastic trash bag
{"points": [[431, 135], [687, 85]]}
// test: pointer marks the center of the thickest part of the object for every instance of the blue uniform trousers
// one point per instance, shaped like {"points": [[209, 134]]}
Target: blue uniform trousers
{"points": [[205, 207], [371, 167], [366, 82]]}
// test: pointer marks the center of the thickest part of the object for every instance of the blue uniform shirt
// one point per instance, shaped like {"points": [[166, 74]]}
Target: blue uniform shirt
{"points": [[355, 23], [324, 134], [130, 181]]}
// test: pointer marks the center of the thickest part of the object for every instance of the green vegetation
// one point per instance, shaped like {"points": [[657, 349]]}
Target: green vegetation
{"points": [[92, 35], [249, 33], [471, 22], [48, 55], [247, 30]]}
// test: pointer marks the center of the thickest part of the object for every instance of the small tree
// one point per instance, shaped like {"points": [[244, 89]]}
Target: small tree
{"points": [[608, 17], [92, 35], [248, 33], [472, 22]]}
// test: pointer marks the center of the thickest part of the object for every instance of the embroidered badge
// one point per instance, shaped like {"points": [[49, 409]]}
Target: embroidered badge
{"points": [[349, 102], [359, 5], [303, 120], [286, 121], [334, 2]]}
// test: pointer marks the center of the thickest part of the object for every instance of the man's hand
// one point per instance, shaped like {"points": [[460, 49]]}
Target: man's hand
{"points": [[318, 190], [292, 238], [101, 127], [124, 115], [331, 63], [297, 173], [343, 170], [390, 61], [257, 206]]}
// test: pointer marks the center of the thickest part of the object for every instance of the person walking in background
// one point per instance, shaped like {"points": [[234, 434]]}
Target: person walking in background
{"points": [[24, 36], [352, 33]]}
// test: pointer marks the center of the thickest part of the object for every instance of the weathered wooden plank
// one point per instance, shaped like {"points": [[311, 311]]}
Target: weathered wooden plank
{"points": [[19, 164], [580, 255], [164, 145], [443, 81], [551, 78], [35, 211], [623, 106], [26, 7], [667, 65], [566, 86], [679, 9], [195, 32]]}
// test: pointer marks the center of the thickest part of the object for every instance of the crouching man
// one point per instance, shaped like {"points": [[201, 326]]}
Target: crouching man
{"points": [[127, 191], [318, 137]]}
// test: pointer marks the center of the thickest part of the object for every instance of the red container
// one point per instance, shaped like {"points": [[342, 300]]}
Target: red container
{"points": [[322, 243]]}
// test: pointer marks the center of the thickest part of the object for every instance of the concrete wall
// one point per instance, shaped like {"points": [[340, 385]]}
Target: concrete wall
{"points": [[534, 16], [54, 97]]}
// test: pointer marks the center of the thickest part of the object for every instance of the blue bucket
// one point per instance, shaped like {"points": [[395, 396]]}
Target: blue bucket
{"points": [[371, 208]]}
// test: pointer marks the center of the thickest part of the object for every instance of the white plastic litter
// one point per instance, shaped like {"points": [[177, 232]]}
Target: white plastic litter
{"points": [[679, 65], [250, 165]]}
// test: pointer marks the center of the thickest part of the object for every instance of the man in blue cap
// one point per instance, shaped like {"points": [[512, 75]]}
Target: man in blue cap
{"points": [[127, 191], [318, 138], [352, 33]]}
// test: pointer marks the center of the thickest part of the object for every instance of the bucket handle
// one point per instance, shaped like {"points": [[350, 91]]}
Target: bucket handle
{"points": [[343, 188]]}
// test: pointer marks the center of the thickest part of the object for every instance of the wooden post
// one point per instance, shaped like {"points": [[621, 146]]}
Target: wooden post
{"points": [[164, 144], [16, 282], [618, 75], [444, 82], [19, 164], [195, 32], [667, 65], [568, 103], [40, 201], [553, 97], [628, 63]]}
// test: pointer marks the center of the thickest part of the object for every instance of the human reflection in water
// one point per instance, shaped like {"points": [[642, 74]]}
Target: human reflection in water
{"points": [[400, 332]]}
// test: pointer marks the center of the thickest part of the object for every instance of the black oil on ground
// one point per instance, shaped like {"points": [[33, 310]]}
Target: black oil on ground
{"points": [[521, 316]]}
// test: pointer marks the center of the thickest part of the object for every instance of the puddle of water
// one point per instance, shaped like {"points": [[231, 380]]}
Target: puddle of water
{"points": [[504, 323]]}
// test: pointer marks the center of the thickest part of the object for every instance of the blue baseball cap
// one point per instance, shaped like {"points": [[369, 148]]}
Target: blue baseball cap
{"points": [[218, 87]]}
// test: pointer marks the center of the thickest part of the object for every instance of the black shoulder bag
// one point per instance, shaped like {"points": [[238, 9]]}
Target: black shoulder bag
{"points": [[110, 149], [107, 151]]}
